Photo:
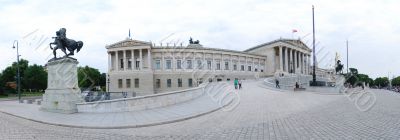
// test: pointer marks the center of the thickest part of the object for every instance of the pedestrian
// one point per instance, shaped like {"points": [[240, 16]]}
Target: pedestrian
{"points": [[277, 83], [236, 83], [240, 84]]}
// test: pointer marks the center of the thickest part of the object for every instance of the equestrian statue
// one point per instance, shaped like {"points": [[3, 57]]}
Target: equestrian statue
{"points": [[62, 42], [339, 67]]}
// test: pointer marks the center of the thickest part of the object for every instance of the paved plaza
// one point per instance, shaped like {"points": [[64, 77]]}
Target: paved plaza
{"points": [[263, 113]]}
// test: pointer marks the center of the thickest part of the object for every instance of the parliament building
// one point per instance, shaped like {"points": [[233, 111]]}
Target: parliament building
{"points": [[143, 68]]}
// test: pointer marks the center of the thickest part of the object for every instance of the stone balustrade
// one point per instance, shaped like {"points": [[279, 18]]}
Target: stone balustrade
{"points": [[142, 102]]}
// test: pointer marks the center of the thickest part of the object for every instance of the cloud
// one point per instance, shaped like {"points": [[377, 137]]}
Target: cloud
{"points": [[371, 26]]}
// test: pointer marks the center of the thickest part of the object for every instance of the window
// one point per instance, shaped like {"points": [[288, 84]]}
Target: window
{"points": [[228, 79], [136, 83], [122, 63], [262, 70], [189, 64], [128, 83], [234, 67], [137, 64], [178, 64], [130, 64], [158, 64], [209, 64], [158, 83], [218, 66], [119, 83], [199, 64], [190, 82], [169, 83], [168, 64], [179, 82], [200, 81], [219, 80], [242, 67], [249, 68], [226, 65], [210, 80]]}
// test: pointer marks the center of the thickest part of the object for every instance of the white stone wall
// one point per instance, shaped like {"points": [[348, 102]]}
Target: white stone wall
{"points": [[143, 102]]}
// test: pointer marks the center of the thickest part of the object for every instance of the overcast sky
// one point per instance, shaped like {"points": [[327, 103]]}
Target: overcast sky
{"points": [[371, 26]]}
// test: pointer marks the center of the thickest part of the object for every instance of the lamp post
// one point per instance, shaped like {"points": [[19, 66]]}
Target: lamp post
{"points": [[314, 81], [18, 74], [108, 82]]}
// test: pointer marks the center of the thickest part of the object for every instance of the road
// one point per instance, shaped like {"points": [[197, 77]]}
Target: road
{"points": [[261, 114]]}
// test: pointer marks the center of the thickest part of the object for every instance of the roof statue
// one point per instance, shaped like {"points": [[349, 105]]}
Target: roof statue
{"points": [[193, 42]]}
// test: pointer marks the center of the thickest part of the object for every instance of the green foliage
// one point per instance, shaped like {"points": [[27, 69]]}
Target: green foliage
{"points": [[103, 79], [32, 77], [35, 77], [89, 77], [355, 78], [381, 81], [1, 86], [396, 81], [353, 71]]}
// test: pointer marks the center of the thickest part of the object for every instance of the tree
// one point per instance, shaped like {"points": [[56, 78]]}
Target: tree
{"points": [[357, 78], [35, 77], [353, 71], [88, 77], [381, 81], [103, 79], [1, 84], [396, 81]]}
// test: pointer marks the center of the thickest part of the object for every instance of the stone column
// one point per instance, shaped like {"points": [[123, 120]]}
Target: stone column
{"points": [[309, 64], [302, 62], [259, 65], [117, 61], [280, 58], [204, 64], [109, 61], [288, 59], [141, 59], [133, 65], [124, 59], [162, 61], [149, 59], [173, 63]]}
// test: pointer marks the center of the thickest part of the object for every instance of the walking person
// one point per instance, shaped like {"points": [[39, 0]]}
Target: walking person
{"points": [[236, 83], [277, 83], [240, 84]]}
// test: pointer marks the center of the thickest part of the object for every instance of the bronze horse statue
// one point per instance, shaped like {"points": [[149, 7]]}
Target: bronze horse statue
{"points": [[339, 67], [63, 43]]}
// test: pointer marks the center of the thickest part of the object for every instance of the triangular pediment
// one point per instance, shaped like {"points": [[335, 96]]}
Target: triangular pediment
{"points": [[282, 42], [128, 43]]}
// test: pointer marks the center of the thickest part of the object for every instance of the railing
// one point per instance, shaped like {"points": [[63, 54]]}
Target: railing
{"points": [[93, 96]]}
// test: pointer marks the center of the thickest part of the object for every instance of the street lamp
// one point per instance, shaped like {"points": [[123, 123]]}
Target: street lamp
{"points": [[18, 74], [108, 83]]}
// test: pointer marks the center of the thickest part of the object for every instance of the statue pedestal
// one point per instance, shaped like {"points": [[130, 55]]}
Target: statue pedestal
{"points": [[62, 91]]}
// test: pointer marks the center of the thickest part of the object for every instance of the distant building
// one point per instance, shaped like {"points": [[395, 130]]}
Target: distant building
{"points": [[141, 67]]}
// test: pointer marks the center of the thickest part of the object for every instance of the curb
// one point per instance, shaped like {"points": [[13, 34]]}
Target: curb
{"points": [[119, 127]]}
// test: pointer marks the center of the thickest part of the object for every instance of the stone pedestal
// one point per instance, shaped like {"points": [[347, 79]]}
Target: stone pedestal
{"points": [[62, 91]]}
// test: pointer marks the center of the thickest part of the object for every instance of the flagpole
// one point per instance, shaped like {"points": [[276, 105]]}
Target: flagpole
{"points": [[314, 80], [347, 53]]}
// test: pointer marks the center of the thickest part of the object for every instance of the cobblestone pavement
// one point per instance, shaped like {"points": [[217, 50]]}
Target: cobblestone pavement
{"points": [[261, 114]]}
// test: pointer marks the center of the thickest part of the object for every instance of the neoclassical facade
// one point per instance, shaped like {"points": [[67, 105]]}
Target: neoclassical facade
{"points": [[144, 68], [285, 55]]}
